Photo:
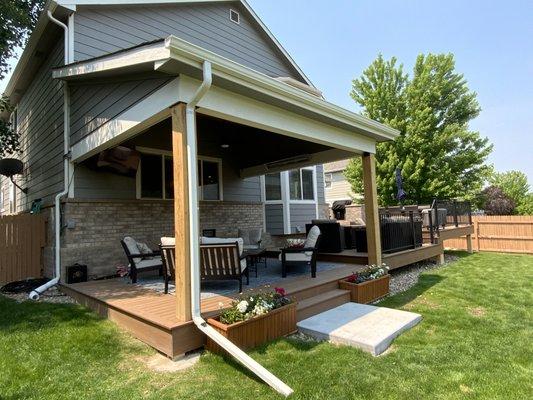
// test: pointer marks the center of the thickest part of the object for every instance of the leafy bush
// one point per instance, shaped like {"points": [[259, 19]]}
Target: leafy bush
{"points": [[250, 306], [496, 202], [369, 273]]}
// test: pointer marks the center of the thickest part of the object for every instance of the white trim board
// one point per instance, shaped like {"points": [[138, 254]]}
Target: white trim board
{"points": [[229, 106], [172, 55]]}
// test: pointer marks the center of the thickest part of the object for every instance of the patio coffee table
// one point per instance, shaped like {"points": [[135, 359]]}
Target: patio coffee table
{"points": [[255, 256]]}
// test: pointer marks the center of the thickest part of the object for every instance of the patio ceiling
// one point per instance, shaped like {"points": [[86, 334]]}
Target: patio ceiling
{"points": [[252, 151]]}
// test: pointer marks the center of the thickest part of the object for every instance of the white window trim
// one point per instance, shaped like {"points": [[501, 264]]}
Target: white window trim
{"points": [[302, 201], [263, 188], [167, 153], [231, 11], [220, 178], [330, 181]]}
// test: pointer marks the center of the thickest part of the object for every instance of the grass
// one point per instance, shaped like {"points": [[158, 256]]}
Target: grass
{"points": [[474, 343]]}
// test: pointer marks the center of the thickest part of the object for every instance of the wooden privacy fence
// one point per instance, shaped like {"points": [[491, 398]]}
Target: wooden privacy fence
{"points": [[504, 233], [22, 238]]}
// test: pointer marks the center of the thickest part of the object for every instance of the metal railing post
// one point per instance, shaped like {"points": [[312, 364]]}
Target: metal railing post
{"points": [[413, 234], [431, 233]]}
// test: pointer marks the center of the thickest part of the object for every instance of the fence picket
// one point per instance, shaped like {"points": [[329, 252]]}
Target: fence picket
{"points": [[21, 247], [506, 233]]}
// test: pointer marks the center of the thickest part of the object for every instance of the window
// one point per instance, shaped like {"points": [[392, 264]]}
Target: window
{"points": [[328, 178], [155, 179], [209, 179], [301, 184], [273, 187]]}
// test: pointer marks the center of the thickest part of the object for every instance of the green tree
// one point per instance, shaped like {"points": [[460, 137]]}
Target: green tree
{"points": [[436, 152], [526, 205], [17, 20], [513, 183]]}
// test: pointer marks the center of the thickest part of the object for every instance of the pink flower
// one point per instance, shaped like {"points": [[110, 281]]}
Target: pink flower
{"points": [[280, 291]]}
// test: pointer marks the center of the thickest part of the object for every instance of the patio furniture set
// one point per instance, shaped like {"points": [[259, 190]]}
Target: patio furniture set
{"points": [[221, 259]]}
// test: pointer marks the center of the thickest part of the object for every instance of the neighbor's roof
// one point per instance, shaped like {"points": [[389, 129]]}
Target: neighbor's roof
{"points": [[28, 61], [336, 166], [174, 56]]}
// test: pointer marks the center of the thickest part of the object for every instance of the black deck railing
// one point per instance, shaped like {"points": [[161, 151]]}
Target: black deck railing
{"points": [[456, 212], [400, 230]]}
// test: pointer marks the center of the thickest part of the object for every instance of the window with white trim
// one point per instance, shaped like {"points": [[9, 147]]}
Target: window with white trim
{"points": [[302, 184], [209, 179], [155, 178], [328, 178]]}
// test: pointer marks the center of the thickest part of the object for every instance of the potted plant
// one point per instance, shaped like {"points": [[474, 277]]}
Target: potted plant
{"points": [[367, 285], [255, 319]]}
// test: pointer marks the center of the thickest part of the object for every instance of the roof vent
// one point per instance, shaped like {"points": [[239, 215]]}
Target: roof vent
{"points": [[234, 16]]}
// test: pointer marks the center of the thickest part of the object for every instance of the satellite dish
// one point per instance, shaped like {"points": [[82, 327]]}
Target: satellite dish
{"points": [[10, 167]]}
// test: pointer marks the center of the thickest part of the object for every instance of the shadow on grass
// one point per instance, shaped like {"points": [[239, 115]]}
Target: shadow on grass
{"points": [[425, 282], [29, 316]]}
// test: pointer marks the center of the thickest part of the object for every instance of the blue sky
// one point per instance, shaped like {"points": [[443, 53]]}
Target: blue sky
{"points": [[334, 41]]}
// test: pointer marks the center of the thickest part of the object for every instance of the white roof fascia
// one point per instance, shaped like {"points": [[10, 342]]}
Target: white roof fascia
{"points": [[190, 54], [247, 77]]}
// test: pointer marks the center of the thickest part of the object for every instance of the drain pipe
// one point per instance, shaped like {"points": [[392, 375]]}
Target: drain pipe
{"points": [[236, 352], [35, 294]]}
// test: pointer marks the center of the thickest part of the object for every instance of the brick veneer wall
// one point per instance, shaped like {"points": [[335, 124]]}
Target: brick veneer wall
{"points": [[96, 227]]}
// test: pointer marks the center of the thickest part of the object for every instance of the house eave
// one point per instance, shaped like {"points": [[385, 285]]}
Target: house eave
{"points": [[175, 53]]}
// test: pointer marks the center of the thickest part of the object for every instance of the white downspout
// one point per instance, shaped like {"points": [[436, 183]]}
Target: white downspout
{"points": [[35, 294], [240, 355]]}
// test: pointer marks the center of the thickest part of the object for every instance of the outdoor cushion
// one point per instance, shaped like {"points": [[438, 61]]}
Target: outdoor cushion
{"points": [[312, 237], [145, 249], [131, 244], [154, 262], [215, 240], [251, 237], [168, 241]]}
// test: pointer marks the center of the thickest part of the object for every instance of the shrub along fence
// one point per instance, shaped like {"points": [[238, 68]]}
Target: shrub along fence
{"points": [[22, 238], [504, 233]]}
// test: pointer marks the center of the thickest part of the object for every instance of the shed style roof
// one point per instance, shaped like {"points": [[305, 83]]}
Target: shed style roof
{"points": [[45, 30]]}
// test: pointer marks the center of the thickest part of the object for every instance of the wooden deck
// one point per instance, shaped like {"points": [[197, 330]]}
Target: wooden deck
{"points": [[151, 316], [394, 260]]}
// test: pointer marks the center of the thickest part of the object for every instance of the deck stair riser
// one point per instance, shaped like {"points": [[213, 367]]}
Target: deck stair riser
{"points": [[321, 302], [306, 293]]}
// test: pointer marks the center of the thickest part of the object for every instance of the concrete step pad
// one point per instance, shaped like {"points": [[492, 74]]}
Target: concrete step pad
{"points": [[369, 328]]}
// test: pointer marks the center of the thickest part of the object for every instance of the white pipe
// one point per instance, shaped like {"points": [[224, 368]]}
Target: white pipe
{"points": [[192, 165], [35, 294]]}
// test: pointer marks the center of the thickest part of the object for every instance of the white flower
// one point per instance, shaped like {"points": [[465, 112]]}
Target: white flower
{"points": [[242, 306]]}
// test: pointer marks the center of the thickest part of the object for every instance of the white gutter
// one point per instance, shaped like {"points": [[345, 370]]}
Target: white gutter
{"points": [[194, 232], [35, 294]]}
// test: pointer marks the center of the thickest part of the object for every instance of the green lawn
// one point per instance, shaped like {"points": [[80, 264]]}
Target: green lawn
{"points": [[475, 342]]}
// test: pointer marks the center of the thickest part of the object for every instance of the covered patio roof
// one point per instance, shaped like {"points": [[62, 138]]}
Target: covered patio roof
{"points": [[239, 94]]}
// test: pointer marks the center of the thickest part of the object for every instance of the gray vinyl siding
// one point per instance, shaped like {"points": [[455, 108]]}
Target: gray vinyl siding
{"points": [[92, 105], [320, 188], [301, 214], [40, 125], [102, 30], [91, 184], [274, 219]]}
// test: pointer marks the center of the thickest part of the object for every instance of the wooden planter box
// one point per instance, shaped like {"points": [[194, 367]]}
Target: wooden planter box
{"points": [[256, 331], [367, 292]]}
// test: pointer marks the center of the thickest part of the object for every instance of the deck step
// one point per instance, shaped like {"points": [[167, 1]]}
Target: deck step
{"points": [[312, 291], [321, 302]]}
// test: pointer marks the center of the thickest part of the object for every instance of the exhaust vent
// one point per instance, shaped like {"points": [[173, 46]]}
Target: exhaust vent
{"points": [[235, 16]]}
